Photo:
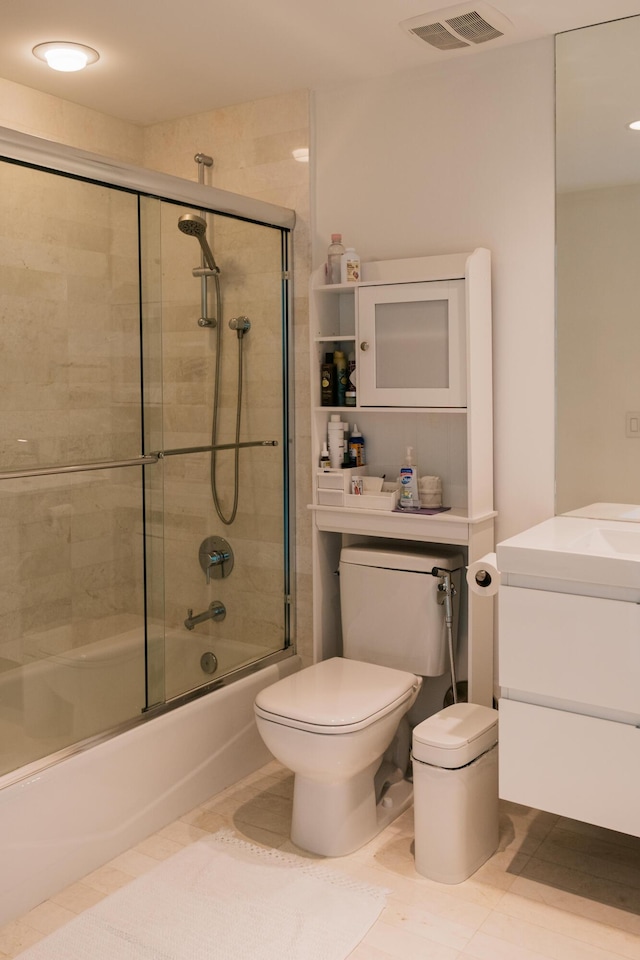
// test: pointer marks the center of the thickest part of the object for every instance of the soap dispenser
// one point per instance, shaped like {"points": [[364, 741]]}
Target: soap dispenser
{"points": [[409, 495]]}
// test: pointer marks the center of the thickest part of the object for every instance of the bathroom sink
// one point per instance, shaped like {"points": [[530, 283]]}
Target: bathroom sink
{"points": [[597, 553], [614, 543]]}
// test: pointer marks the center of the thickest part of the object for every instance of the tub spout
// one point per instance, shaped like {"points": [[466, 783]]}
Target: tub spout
{"points": [[215, 611]]}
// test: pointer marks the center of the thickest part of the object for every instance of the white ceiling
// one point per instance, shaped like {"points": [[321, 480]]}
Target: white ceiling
{"points": [[162, 59]]}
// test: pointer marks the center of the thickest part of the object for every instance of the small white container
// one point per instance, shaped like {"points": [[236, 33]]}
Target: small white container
{"points": [[385, 499], [350, 266], [333, 485], [455, 780], [337, 444]]}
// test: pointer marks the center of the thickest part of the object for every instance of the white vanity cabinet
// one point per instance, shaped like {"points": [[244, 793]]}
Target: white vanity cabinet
{"points": [[419, 331], [569, 671]]}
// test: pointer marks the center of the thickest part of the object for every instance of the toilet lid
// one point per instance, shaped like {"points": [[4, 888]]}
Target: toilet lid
{"points": [[338, 695]]}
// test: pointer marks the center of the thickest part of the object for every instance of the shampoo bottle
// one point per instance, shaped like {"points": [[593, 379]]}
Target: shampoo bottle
{"points": [[328, 381], [409, 495], [342, 375]]}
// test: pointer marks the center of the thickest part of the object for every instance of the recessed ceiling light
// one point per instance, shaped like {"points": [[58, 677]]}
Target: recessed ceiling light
{"points": [[65, 56], [635, 125], [301, 154]]}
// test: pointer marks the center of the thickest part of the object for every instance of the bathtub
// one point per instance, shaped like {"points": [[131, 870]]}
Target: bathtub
{"points": [[59, 823], [61, 696]]}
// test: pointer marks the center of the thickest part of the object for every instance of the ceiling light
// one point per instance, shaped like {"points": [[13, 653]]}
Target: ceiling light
{"points": [[301, 154], [65, 56], [635, 125]]}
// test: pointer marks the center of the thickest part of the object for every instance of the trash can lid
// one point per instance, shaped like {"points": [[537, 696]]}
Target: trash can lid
{"points": [[455, 736]]}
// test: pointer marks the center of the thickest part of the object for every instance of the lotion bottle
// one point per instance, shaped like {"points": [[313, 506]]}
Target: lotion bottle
{"points": [[409, 495]]}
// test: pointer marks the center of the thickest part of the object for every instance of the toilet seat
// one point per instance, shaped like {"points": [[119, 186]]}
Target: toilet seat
{"points": [[336, 696]]}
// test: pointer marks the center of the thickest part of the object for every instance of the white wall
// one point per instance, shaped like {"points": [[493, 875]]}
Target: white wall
{"points": [[444, 159]]}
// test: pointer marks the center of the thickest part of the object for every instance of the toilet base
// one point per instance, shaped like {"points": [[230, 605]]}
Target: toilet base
{"points": [[334, 819]]}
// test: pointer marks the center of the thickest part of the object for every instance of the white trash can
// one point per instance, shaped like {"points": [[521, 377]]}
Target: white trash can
{"points": [[455, 791]]}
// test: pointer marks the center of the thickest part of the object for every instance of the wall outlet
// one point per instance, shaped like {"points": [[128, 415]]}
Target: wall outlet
{"points": [[632, 423]]}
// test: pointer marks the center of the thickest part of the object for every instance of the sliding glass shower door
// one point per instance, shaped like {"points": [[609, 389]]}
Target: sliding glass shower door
{"points": [[112, 544], [221, 540], [72, 584]]}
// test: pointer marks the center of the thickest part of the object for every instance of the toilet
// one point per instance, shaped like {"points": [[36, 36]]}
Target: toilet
{"points": [[340, 725]]}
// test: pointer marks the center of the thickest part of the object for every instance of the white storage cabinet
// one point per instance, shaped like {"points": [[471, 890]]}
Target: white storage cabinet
{"points": [[438, 309]]}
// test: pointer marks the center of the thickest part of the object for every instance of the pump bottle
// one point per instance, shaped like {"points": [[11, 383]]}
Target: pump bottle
{"points": [[409, 495]]}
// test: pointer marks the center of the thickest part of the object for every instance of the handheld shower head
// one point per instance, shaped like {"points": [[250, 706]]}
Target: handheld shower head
{"points": [[195, 226]]}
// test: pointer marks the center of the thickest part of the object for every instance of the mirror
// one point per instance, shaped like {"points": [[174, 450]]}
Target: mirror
{"points": [[598, 265]]}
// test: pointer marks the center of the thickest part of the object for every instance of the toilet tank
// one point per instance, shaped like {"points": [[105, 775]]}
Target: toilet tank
{"points": [[389, 607]]}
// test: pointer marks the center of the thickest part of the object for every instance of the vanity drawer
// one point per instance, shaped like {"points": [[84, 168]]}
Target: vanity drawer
{"points": [[584, 650], [573, 765]]}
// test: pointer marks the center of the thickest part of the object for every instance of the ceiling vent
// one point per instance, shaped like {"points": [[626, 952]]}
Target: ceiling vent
{"points": [[454, 28]]}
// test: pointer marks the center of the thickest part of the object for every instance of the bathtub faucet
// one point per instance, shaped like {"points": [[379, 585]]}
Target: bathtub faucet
{"points": [[216, 611]]}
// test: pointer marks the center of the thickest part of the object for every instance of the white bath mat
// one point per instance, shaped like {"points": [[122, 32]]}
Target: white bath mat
{"points": [[223, 899]]}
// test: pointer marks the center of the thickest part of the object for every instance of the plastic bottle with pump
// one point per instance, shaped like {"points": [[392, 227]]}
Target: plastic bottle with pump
{"points": [[409, 495], [357, 456], [334, 258]]}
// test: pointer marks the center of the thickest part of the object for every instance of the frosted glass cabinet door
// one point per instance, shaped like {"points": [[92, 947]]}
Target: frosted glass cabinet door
{"points": [[412, 345]]}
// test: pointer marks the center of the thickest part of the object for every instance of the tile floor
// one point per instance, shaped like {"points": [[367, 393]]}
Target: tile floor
{"points": [[555, 890]]}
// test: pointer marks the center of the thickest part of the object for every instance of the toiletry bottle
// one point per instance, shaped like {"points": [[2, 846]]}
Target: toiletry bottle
{"points": [[349, 266], [336, 430], [327, 382], [325, 462], [340, 363], [334, 258], [357, 456], [409, 496], [350, 392]]}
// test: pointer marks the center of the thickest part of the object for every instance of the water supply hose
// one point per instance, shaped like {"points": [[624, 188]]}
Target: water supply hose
{"points": [[446, 587]]}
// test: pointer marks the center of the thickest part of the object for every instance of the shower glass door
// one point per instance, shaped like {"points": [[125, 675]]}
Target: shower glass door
{"points": [[72, 639], [108, 386], [235, 501]]}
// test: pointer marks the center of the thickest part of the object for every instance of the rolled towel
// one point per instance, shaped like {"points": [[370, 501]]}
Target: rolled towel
{"points": [[430, 491]]}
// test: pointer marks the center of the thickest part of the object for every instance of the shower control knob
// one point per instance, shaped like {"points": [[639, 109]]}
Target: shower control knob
{"points": [[364, 346]]}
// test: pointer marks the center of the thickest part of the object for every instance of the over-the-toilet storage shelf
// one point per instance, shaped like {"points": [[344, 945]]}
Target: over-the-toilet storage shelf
{"points": [[453, 442]]}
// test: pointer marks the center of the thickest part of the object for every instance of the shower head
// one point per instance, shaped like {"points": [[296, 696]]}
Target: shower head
{"points": [[195, 226]]}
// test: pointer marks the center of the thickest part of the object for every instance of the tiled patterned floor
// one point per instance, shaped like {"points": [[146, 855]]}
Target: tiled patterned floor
{"points": [[555, 890]]}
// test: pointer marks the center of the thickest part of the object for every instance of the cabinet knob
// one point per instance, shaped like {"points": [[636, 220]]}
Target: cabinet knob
{"points": [[364, 345]]}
